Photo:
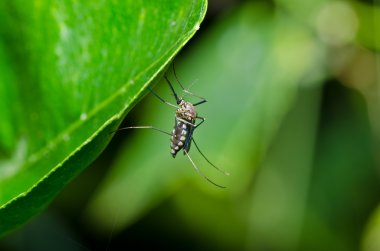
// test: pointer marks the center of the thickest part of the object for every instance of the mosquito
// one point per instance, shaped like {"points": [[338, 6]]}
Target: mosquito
{"points": [[186, 121]]}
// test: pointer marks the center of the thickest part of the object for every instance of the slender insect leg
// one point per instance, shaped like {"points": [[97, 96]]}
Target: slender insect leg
{"points": [[202, 120], [144, 127], [199, 171], [191, 124], [200, 102], [161, 99], [173, 91], [175, 75], [186, 122], [199, 150]]}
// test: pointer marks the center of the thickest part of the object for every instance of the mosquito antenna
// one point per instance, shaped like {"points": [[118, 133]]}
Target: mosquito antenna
{"points": [[142, 127], [186, 90], [199, 172], [161, 99], [220, 170], [192, 84]]}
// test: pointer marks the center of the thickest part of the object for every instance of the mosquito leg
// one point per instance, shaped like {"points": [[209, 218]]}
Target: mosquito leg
{"points": [[199, 150], [186, 122], [175, 75], [143, 127], [200, 102], [161, 99], [191, 124], [199, 172], [202, 120], [174, 93]]}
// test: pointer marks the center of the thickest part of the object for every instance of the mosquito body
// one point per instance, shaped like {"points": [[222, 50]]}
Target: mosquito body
{"points": [[183, 131], [184, 126], [186, 117]]}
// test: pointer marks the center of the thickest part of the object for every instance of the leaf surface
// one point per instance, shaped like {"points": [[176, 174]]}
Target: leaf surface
{"points": [[70, 71]]}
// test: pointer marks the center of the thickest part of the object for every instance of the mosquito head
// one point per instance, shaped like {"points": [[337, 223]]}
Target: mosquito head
{"points": [[186, 111], [179, 101]]}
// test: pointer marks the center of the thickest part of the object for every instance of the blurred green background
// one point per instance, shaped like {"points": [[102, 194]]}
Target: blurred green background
{"points": [[292, 114]]}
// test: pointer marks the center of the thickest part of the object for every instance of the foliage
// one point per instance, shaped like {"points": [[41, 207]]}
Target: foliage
{"points": [[70, 72]]}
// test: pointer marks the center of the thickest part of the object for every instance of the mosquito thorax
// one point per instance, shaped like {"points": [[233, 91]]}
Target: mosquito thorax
{"points": [[186, 111]]}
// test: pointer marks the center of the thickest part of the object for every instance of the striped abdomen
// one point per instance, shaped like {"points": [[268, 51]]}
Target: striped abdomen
{"points": [[181, 137]]}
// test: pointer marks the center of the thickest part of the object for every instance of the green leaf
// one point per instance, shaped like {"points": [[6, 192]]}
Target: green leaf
{"points": [[69, 73]]}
